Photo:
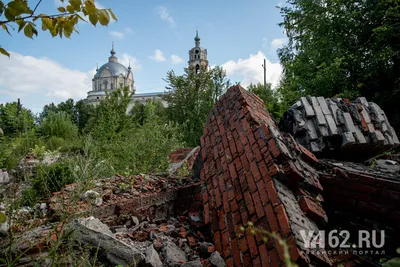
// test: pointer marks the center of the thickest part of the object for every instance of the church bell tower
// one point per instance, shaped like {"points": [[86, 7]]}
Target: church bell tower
{"points": [[197, 56]]}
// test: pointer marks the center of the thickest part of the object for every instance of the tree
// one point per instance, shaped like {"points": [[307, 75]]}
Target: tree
{"points": [[59, 124], [19, 14], [15, 119], [270, 98], [190, 98], [110, 120], [343, 48]]}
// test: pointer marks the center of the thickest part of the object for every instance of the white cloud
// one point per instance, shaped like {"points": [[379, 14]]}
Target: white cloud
{"points": [[127, 59], [121, 34], [158, 56], [165, 16], [250, 70], [26, 76], [278, 43], [117, 35], [39, 81], [176, 59]]}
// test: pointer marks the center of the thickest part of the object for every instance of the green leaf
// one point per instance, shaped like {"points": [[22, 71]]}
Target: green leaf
{"points": [[76, 4], [70, 9], [104, 18], [8, 13], [112, 14], [89, 7], [4, 26], [21, 24], [93, 19], [19, 7], [47, 23], [3, 217], [30, 30], [61, 9]]}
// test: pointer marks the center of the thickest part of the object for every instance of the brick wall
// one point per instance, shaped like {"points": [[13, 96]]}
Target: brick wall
{"points": [[253, 172]]}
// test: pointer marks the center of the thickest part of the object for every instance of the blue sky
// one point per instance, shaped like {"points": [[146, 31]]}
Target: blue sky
{"points": [[155, 36]]}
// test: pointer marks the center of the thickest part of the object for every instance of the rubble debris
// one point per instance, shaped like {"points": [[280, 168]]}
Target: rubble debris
{"points": [[174, 256], [144, 196], [254, 173], [93, 232], [217, 260], [339, 128], [4, 178], [152, 257], [183, 159]]}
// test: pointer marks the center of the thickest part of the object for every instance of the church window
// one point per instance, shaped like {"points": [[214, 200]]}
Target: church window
{"points": [[121, 85], [197, 68], [105, 84]]}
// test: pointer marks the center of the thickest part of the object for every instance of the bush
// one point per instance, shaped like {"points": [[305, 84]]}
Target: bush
{"points": [[29, 197], [51, 178], [59, 124]]}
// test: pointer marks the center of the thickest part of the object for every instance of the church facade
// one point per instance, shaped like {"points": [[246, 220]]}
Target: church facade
{"points": [[113, 75]]}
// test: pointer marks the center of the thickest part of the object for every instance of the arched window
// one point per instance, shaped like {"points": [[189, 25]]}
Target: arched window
{"points": [[197, 68]]}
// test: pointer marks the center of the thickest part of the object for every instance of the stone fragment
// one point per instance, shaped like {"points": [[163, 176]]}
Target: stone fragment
{"points": [[152, 258], [196, 263], [135, 220], [173, 255], [323, 105], [93, 232], [92, 197], [377, 137], [311, 130], [348, 121], [308, 109], [4, 178], [334, 108], [217, 260], [331, 124], [318, 112], [348, 139]]}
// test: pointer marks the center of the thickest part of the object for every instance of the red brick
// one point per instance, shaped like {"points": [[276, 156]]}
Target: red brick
{"points": [[229, 262], [257, 262], [206, 214], [258, 204], [249, 202], [307, 155], [235, 252], [245, 163], [218, 200], [265, 131], [247, 260], [245, 215], [225, 244], [255, 171], [234, 206], [282, 219], [312, 209], [243, 244], [237, 218], [232, 171], [264, 256], [251, 242], [225, 201], [272, 195], [293, 249], [273, 148], [273, 255], [250, 182], [272, 220], [263, 192], [218, 241]]}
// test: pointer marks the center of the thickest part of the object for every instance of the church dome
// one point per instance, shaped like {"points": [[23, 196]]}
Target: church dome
{"points": [[114, 68]]}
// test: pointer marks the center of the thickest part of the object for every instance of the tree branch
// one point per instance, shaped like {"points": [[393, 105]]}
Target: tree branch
{"points": [[36, 7], [32, 16]]}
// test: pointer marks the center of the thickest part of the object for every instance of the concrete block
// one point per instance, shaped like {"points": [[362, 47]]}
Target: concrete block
{"points": [[323, 105], [348, 121], [318, 112], [348, 139], [307, 107]]}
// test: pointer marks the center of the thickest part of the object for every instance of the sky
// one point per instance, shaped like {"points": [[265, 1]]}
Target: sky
{"points": [[153, 36]]}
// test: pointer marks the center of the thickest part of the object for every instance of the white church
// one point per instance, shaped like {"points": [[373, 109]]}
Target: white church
{"points": [[114, 75]]}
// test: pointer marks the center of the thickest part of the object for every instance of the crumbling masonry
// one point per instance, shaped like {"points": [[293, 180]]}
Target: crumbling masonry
{"points": [[253, 172]]}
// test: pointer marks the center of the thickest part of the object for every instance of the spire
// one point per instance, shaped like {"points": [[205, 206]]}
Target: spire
{"points": [[112, 50], [97, 66], [129, 67], [113, 57], [197, 38]]}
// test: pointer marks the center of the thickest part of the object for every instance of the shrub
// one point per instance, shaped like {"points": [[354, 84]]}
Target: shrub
{"points": [[59, 124], [29, 197], [51, 178]]}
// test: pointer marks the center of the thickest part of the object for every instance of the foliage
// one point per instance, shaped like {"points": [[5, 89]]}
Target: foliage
{"points": [[51, 178], [140, 114], [15, 119], [59, 124], [110, 120], [270, 98], [190, 98], [78, 112], [141, 149], [19, 14], [342, 47]]}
